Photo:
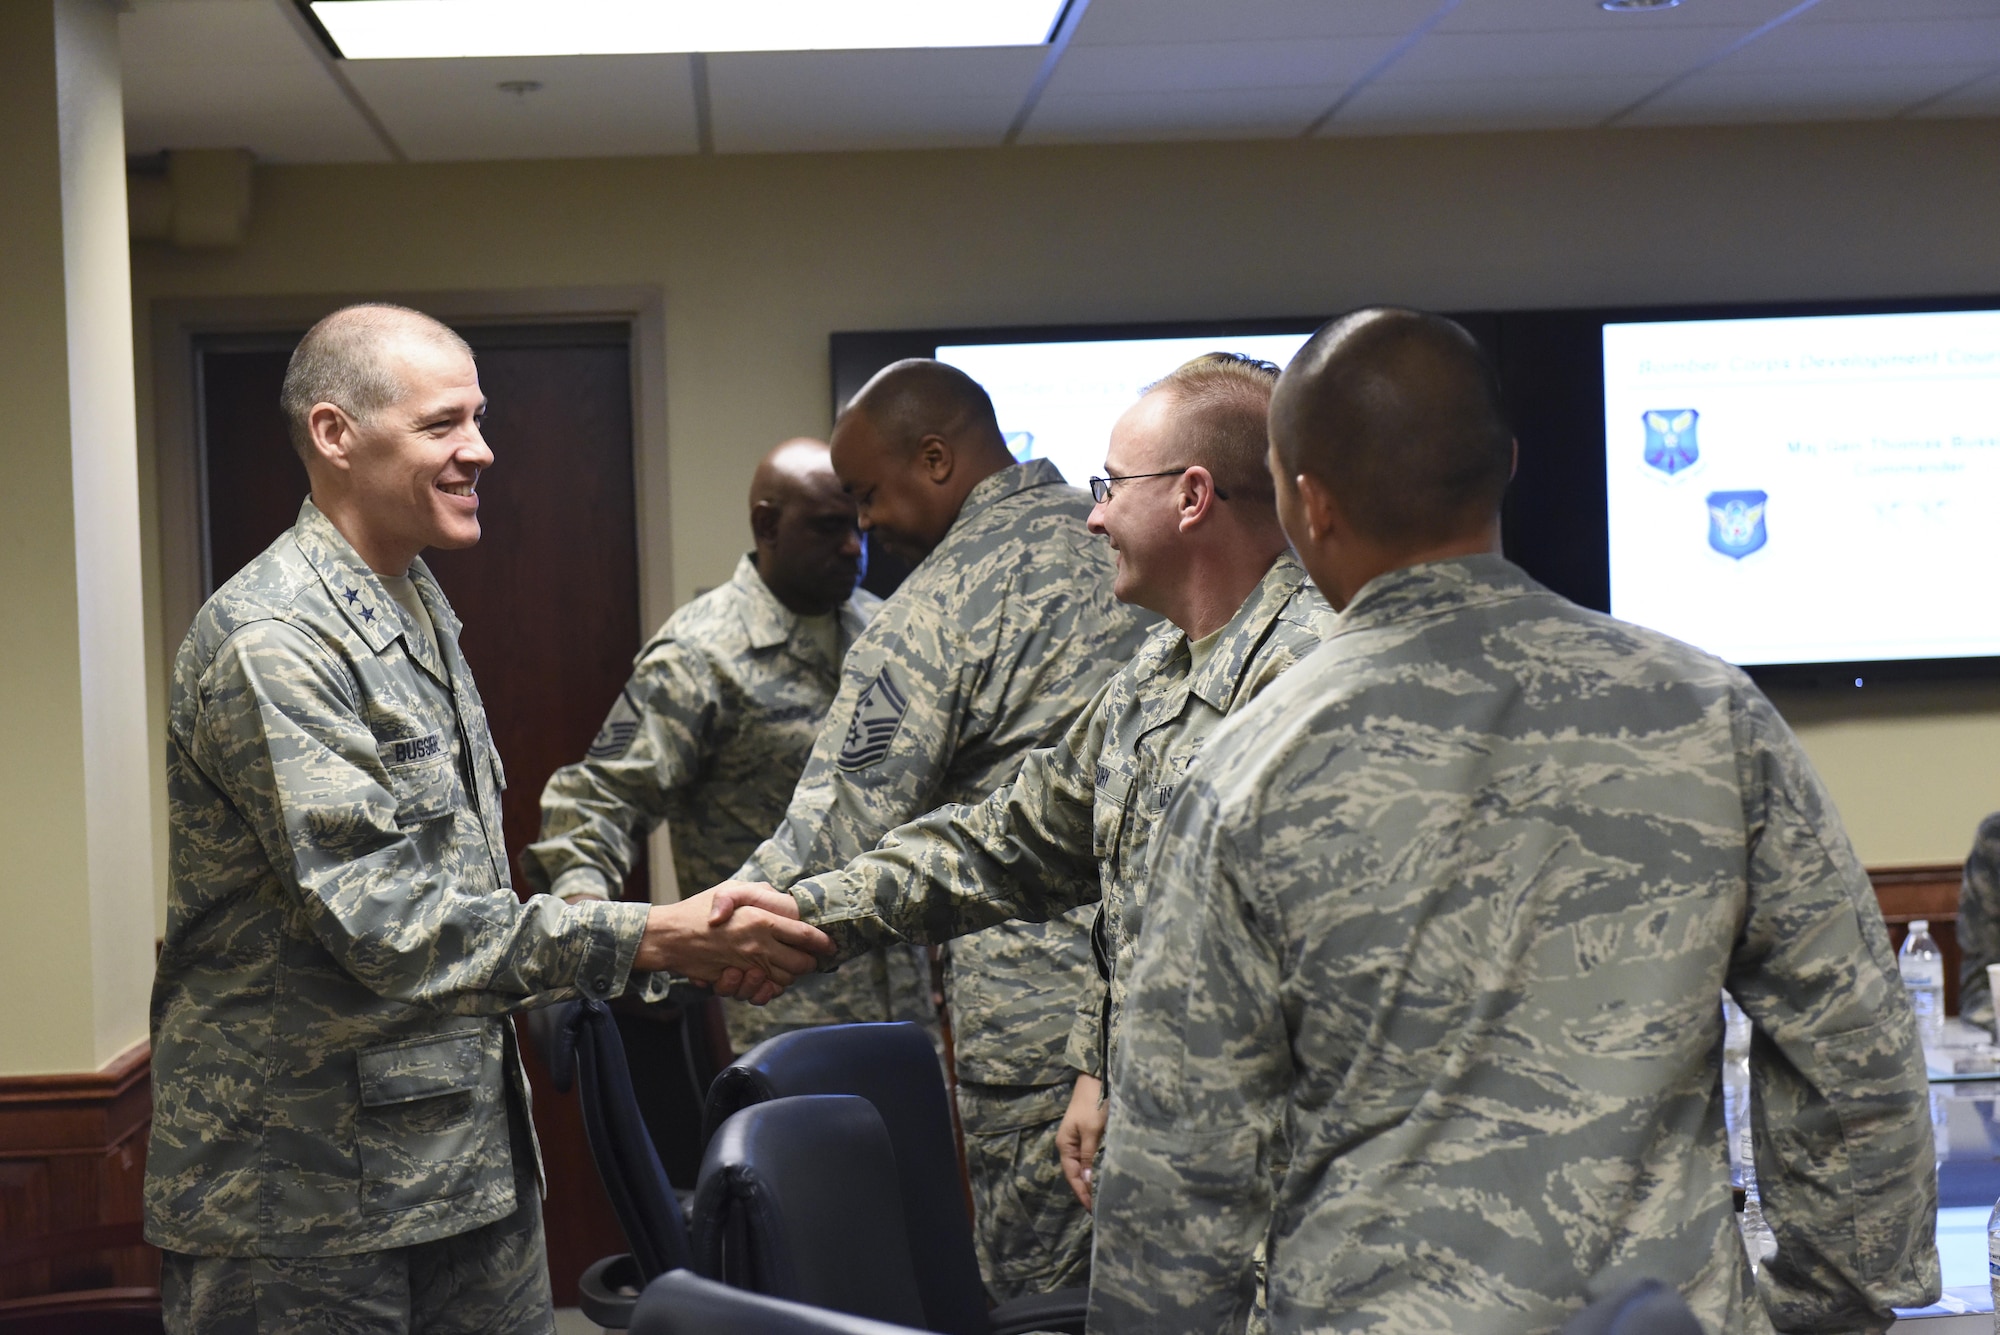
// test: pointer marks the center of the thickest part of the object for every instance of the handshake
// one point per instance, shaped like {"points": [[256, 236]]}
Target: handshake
{"points": [[742, 939]]}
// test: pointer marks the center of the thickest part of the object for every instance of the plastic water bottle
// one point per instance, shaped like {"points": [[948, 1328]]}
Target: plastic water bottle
{"points": [[1760, 1244], [1993, 1258], [1923, 974]]}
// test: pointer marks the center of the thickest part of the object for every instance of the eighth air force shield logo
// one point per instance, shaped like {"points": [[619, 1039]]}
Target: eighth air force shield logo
{"points": [[1736, 522], [1670, 441]]}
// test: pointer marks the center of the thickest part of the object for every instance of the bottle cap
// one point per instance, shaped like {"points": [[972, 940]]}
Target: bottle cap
{"points": [[1920, 925]]}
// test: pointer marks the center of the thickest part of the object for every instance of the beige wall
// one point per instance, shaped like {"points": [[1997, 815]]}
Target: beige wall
{"points": [[76, 776], [759, 258]]}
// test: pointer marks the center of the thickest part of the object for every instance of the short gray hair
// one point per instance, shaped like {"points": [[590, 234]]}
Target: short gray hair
{"points": [[342, 360]]}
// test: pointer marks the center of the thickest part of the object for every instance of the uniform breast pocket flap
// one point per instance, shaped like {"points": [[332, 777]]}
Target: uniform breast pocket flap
{"points": [[1107, 809], [421, 1069], [424, 792]]}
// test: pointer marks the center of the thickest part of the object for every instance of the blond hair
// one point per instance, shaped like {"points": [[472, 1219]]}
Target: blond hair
{"points": [[1224, 400]]}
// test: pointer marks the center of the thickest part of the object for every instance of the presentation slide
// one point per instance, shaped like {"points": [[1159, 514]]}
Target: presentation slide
{"points": [[1807, 490], [1058, 401]]}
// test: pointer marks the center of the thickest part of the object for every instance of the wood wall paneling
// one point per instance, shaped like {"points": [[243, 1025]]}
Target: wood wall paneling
{"points": [[72, 1161]]}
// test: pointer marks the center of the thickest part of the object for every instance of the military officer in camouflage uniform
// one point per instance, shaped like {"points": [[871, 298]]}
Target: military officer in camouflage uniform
{"points": [[1979, 924], [1187, 508], [712, 732], [1450, 904], [340, 1135], [1003, 632]]}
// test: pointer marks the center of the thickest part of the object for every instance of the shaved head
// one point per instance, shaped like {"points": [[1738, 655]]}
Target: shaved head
{"points": [[1399, 414], [808, 548], [910, 446], [353, 359], [917, 397], [798, 467]]}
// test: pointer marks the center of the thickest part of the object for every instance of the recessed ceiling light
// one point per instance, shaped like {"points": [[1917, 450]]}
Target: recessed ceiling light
{"points": [[1636, 6], [416, 29]]}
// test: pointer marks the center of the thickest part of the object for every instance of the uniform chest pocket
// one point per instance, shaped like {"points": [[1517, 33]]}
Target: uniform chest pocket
{"points": [[1108, 810], [425, 791], [432, 1122]]}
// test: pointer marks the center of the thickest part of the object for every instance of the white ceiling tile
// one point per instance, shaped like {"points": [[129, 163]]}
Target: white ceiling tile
{"points": [[1719, 97], [210, 32], [1585, 16], [587, 106], [1975, 97], [1870, 45], [1555, 55], [1849, 11], [1243, 113], [1130, 21], [1188, 66], [1509, 104], [233, 74], [810, 101]]}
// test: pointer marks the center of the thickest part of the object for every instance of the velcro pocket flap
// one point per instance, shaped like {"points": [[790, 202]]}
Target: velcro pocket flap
{"points": [[420, 1068], [424, 792]]}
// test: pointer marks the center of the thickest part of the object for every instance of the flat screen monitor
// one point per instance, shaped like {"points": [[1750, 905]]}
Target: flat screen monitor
{"points": [[1057, 399], [1806, 489]]}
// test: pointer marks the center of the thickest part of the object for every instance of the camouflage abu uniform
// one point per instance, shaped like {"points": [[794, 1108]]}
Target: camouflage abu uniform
{"points": [[710, 735], [332, 1070], [990, 648], [1452, 901], [1979, 924], [1075, 825]]}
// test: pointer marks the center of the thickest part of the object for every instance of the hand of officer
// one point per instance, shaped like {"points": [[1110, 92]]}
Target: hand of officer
{"points": [[1081, 1132], [757, 934], [745, 984]]}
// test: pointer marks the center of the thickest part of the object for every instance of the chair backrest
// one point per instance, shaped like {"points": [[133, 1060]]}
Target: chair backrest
{"points": [[895, 1068], [1643, 1307], [589, 1054], [799, 1200], [682, 1303]]}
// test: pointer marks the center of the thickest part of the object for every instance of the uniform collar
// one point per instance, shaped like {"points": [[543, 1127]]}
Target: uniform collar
{"points": [[1010, 481], [1436, 588], [768, 623], [349, 582], [1216, 683]]}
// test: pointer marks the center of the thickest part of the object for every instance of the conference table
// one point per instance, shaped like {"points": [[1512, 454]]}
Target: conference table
{"points": [[1965, 1121]]}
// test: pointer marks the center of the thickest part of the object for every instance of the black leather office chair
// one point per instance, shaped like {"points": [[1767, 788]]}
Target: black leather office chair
{"points": [[682, 1303], [799, 1200], [583, 1049], [1643, 1307], [895, 1068]]}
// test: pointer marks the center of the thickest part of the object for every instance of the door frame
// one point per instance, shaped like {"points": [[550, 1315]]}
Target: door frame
{"points": [[173, 417]]}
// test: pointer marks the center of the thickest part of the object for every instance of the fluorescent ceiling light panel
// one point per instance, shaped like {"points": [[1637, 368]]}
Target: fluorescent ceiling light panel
{"points": [[419, 29]]}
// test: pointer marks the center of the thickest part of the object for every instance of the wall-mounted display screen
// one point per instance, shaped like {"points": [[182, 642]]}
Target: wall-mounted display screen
{"points": [[1058, 400], [1808, 489]]}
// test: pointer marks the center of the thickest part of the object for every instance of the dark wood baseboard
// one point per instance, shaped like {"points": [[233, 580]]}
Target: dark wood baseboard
{"points": [[72, 1162]]}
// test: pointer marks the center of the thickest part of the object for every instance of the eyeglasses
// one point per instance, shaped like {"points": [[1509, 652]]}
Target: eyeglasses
{"points": [[1100, 487]]}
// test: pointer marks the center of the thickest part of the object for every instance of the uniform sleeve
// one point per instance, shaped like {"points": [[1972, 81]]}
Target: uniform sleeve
{"points": [[1203, 1071], [1085, 1052], [596, 813], [1979, 924], [883, 752], [280, 735], [1026, 852], [1840, 1105]]}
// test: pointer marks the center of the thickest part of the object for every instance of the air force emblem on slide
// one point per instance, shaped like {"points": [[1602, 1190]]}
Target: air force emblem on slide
{"points": [[876, 717], [620, 727], [1670, 442], [1736, 522]]}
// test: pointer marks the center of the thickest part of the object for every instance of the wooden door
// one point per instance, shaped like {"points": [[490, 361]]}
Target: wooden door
{"points": [[549, 598]]}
